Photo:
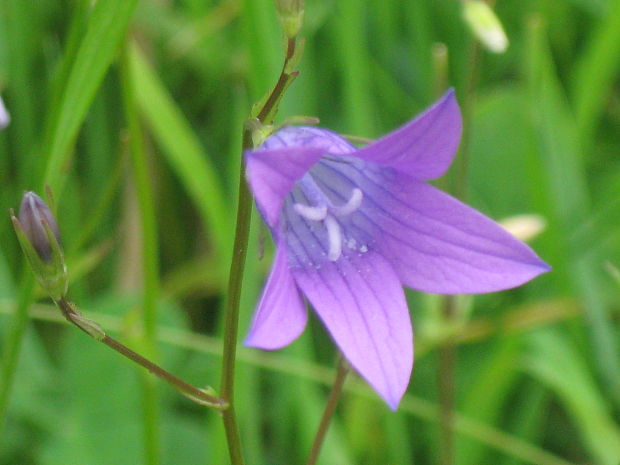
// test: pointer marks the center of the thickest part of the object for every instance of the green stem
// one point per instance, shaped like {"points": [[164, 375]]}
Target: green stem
{"points": [[150, 262], [447, 357], [235, 280], [280, 86], [450, 303], [71, 313], [13, 343], [459, 186], [417, 407], [328, 413], [231, 323]]}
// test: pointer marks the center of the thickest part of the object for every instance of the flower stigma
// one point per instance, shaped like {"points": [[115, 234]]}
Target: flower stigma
{"points": [[334, 236], [324, 210]]}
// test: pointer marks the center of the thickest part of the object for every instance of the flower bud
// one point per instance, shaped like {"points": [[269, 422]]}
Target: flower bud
{"points": [[4, 115], [38, 236], [33, 214], [291, 14], [485, 25]]}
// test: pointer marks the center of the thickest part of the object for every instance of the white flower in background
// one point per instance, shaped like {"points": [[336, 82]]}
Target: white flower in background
{"points": [[485, 25], [524, 227], [4, 115]]}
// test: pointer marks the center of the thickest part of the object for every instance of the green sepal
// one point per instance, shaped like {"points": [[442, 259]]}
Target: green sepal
{"points": [[295, 59], [299, 120], [258, 130], [89, 326], [291, 15], [291, 24], [358, 140]]}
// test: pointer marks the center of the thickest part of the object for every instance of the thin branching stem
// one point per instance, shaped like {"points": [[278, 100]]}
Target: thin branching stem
{"points": [[71, 313], [447, 358], [328, 413], [235, 280], [450, 303], [231, 323]]}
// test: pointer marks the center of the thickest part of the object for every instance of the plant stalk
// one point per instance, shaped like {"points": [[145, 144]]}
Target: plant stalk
{"points": [[328, 413], [450, 303], [231, 323], [71, 313], [447, 358], [235, 280]]}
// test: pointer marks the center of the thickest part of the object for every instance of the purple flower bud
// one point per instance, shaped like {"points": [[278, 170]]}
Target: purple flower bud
{"points": [[33, 214]]}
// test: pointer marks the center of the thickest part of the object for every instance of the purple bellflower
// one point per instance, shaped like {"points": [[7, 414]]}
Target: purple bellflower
{"points": [[351, 226]]}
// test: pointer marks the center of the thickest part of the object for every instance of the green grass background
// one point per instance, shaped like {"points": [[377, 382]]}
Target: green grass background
{"points": [[132, 111]]}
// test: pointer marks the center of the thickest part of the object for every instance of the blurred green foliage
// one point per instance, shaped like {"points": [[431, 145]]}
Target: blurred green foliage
{"points": [[538, 368]]}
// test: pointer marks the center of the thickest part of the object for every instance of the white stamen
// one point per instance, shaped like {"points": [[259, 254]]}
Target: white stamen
{"points": [[311, 213], [352, 204], [322, 209], [334, 237]]}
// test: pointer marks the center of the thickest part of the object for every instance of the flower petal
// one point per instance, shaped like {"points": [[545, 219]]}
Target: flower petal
{"points": [[309, 136], [424, 147], [446, 247], [281, 313], [272, 174], [361, 302], [434, 242]]}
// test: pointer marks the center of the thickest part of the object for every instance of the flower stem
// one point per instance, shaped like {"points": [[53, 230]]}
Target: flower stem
{"points": [[72, 314], [231, 323], [235, 280], [450, 303], [459, 186], [280, 86], [330, 408], [447, 357]]}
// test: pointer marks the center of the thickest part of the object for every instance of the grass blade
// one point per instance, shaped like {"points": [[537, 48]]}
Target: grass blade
{"points": [[183, 152], [107, 26]]}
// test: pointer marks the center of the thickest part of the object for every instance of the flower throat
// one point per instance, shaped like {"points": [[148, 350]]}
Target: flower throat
{"points": [[323, 210]]}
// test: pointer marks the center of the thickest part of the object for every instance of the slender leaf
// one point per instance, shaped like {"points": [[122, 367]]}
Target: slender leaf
{"points": [[183, 151], [107, 25]]}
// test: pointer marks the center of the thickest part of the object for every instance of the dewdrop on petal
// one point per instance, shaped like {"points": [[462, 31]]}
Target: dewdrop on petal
{"points": [[485, 25]]}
